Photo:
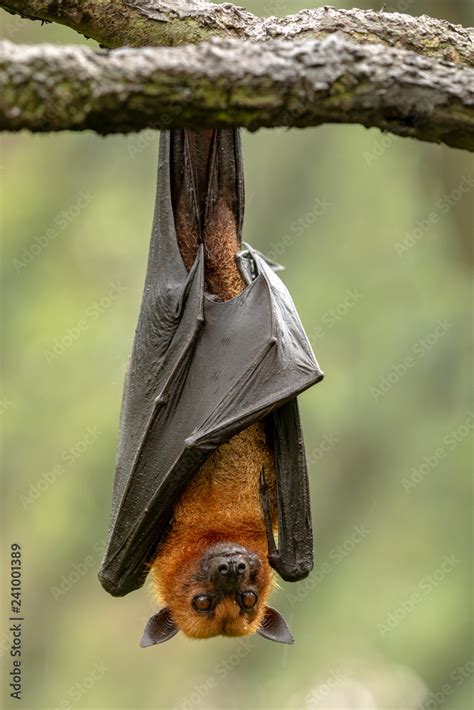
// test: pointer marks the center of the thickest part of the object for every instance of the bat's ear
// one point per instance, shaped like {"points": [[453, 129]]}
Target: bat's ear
{"points": [[159, 628], [274, 627]]}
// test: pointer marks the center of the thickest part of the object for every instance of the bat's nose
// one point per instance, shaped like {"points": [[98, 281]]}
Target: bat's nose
{"points": [[228, 570], [235, 565]]}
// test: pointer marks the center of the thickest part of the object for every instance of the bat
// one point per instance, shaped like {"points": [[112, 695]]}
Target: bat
{"points": [[211, 462]]}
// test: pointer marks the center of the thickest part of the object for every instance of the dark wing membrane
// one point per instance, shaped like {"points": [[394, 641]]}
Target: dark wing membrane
{"points": [[286, 368], [284, 365], [244, 363], [160, 314], [201, 370], [293, 560]]}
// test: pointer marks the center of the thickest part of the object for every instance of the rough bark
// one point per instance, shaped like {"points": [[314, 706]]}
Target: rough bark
{"points": [[231, 83], [137, 23]]}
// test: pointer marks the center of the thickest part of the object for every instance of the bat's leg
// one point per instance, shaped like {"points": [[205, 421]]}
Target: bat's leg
{"points": [[184, 192], [207, 196], [223, 216]]}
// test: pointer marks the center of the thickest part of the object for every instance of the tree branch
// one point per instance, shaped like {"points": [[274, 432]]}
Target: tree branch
{"points": [[394, 77], [137, 23], [232, 83]]}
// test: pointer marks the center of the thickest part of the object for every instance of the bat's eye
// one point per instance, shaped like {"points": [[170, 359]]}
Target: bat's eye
{"points": [[248, 600], [202, 602]]}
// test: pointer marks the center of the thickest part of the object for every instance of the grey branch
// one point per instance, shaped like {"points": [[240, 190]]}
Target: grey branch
{"points": [[234, 83], [137, 23]]}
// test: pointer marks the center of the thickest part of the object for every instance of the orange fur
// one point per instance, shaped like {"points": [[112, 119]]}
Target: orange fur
{"points": [[223, 278], [222, 503]]}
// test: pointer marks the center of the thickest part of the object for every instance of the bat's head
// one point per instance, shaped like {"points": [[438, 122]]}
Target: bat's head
{"points": [[221, 592]]}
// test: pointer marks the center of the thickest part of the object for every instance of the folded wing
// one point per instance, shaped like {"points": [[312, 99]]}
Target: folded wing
{"points": [[202, 370]]}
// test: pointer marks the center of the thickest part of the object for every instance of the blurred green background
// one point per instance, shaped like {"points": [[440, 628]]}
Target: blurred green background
{"points": [[374, 232]]}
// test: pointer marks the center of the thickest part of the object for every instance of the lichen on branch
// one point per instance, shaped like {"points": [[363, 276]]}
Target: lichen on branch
{"points": [[233, 83], [412, 76], [137, 23]]}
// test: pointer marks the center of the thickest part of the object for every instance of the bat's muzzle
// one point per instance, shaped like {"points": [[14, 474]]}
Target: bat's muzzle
{"points": [[232, 565], [227, 565], [228, 570]]}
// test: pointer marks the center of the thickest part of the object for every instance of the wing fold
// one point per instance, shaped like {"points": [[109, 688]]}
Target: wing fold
{"points": [[202, 370]]}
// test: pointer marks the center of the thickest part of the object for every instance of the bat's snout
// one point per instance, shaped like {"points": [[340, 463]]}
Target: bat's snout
{"points": [[228, 565], [233, 565], [228, 570]]}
